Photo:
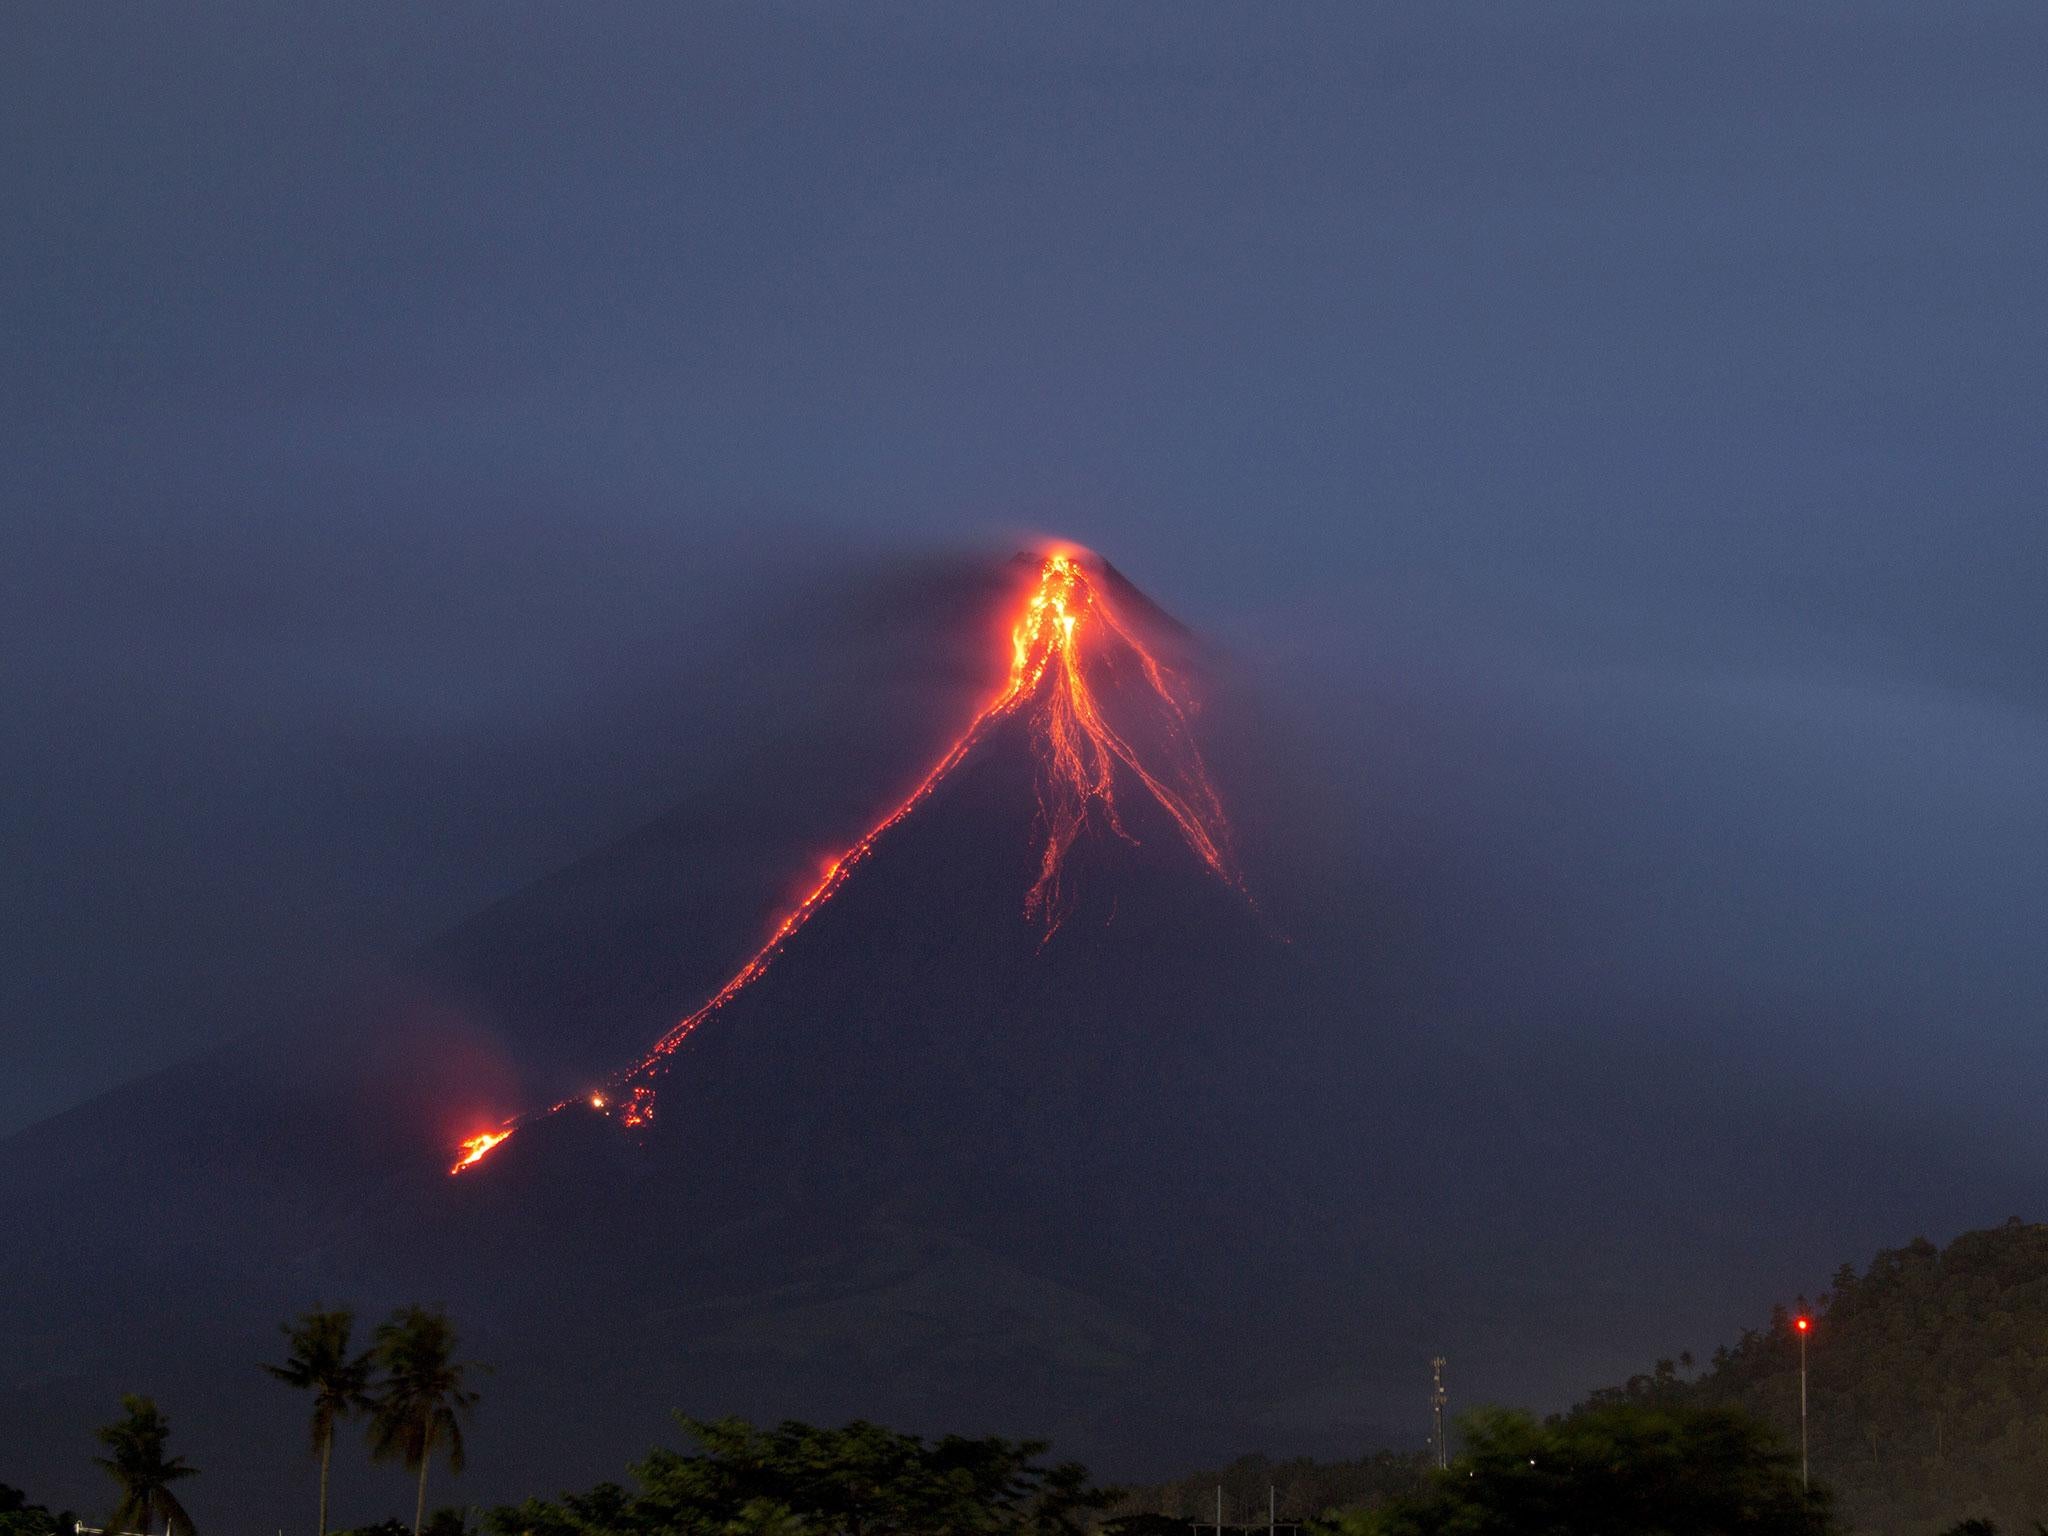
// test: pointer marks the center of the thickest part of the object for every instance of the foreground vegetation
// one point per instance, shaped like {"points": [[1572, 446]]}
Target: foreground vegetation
{"points": [[1299, 1487], [1621, 1470], [408, 1385], [798, 1480], [1615, 1468], [1618, 1470], [18, 1517], [1928, 1396]]}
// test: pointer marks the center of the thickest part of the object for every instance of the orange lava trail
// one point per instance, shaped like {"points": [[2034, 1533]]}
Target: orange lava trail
{"points": [[1079, 751], [477, 1147]]}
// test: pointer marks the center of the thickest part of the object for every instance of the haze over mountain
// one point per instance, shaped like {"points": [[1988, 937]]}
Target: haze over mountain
{"points": [[1193, 1172], [481, 517]]}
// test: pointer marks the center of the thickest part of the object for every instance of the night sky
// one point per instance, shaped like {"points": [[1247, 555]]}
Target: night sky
{"points": [[1611, 433]]}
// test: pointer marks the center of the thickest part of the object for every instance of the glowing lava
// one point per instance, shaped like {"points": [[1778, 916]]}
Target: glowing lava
{"points": [[1066, 628], [1079, 749], [476, 1148]]}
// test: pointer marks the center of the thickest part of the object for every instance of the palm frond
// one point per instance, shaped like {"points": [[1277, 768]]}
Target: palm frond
{"points": [[176, 1521], [422, 1395], [321, 1360]]}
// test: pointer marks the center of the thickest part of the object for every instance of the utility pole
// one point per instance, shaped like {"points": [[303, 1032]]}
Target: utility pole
{"points": [[1803, 1324], [1437, 1398]]}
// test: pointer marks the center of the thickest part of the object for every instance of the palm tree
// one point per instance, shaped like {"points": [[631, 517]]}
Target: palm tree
{"points": [[136, 1461], [320, 1362], [419, 1403]]}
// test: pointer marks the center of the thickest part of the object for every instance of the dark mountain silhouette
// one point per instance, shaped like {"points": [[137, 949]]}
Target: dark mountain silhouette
{"points": [[1183, 1177]]}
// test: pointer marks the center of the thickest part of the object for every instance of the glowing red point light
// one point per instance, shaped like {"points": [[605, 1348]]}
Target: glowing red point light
{"points": [[1802, 1324]]}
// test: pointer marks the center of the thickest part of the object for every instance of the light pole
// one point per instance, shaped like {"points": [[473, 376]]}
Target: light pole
{"points": [[1803, 1325]]}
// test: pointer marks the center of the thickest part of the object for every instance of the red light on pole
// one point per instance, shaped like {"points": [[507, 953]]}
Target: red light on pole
{"points": [[1803, 1324]]}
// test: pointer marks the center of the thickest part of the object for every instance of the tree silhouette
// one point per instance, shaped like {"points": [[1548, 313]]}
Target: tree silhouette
{"points": [[18, 1517], [1621, 1469], [418, 1405], [320, 1362], [800, 1480], [136, 1461]]}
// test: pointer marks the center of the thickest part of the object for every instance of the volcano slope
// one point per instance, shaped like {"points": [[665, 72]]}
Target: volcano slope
{"points": [[1133, 1166], [963, 1156]]}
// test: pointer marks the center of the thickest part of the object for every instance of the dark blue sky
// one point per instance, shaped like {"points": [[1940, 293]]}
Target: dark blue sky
{"points": [[1625, 421]]}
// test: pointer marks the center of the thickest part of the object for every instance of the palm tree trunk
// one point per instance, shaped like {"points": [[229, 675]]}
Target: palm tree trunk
{"points": [[326, 1455], [419, 1509]]}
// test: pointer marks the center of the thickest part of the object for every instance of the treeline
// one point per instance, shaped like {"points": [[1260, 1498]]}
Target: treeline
{"points": [[1927, 1379], [800, 1480], [1619, 1470], [1928, 1405], [1616, 1470], [18, 1517], [1299, 1488]]}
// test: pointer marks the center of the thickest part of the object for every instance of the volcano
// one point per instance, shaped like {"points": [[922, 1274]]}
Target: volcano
{"points": [[937, 1063], [949, 1059], [1106, 719], [958, 1138]]}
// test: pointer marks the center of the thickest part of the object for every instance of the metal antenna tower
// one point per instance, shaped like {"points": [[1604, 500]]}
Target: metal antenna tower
{"points": [[1437, 1398]]}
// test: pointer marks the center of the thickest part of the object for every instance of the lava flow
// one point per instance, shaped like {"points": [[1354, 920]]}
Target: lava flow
{"points": [[475, 1148], [1066, 623]]}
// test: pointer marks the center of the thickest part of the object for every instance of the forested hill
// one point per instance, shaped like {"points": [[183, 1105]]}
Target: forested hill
{"points": [[1927, 1379]]}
